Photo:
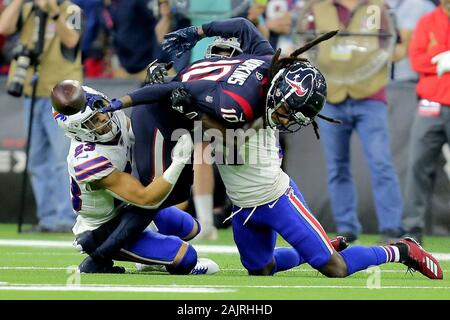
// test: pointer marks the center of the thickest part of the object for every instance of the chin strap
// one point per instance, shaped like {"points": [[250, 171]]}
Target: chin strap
{"points": [[329, 119]]}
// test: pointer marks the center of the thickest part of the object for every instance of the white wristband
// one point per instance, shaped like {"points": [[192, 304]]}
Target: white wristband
{"points": [[173, 172]]}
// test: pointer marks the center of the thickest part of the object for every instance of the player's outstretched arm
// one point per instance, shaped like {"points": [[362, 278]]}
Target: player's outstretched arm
{"points": [[127, 188], [182, 40], [251, 40], [146, 95]]}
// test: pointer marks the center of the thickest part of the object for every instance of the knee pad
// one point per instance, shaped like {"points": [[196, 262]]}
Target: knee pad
{"points": [[186, 264], [85, 242]]}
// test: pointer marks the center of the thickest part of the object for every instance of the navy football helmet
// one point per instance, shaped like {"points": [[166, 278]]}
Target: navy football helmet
{"points": [[302, 90]]}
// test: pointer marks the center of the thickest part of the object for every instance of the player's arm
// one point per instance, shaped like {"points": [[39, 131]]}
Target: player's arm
{"points": [[125, 187], [160, 92], [250, 38], [146, 95]]}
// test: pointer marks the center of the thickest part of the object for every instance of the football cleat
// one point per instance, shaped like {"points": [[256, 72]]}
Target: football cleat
{"points": [[205, 266], [339, 243], [90, 265], [150, 267], [418, 259]]}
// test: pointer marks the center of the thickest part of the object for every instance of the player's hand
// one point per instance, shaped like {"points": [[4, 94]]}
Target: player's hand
{"points": [[442, 61], [114, 105], [156, 72], [181, 153], [177, 42], [182, 102]]}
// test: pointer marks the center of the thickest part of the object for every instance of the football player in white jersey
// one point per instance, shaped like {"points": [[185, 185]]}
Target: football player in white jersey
{"points": [[267, 202], [113, 208]]}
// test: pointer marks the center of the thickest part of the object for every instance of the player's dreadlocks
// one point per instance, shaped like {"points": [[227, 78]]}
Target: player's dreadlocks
{"points": [[277, 64]]}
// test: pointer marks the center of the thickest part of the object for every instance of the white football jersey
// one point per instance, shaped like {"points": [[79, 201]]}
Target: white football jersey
{"points": [[259, 179], [88, 162]]}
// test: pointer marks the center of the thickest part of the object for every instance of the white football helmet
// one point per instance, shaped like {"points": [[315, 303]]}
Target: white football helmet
{"points": [[219, 44], [81, 127]]}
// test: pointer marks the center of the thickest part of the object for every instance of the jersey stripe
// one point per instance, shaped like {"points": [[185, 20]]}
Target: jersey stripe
{"points": [[244, 104], [89, 163], [213, 63], [311, 220], [87, 174], [158, 154]]}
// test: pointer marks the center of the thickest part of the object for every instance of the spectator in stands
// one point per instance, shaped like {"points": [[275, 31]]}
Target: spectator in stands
{"points": [[406, 13], [361, 106], [4, 61], [255, 13], [60, 59], [137, 30], [280, 20], [430, 57], [95, 45], [170, 20]]}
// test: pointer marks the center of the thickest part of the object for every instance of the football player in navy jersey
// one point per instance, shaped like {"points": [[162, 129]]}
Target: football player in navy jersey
{"points": [[288, 94], [230, 88]]}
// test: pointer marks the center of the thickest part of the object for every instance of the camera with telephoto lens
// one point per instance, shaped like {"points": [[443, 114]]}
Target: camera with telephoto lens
{"points": [[24, 57]]}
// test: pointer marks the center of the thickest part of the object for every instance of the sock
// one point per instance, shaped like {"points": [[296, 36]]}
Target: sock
{"points": [[286, 258], [360, 258], [403, 251], [204, 208]]}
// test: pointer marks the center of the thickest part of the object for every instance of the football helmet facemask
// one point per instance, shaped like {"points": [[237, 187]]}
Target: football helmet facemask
{"points": [[89, 124], [302, 90], [230, 45]]}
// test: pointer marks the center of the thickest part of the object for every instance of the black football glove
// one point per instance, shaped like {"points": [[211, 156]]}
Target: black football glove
{"points": [[182, 101], [180, 41], [156, 72]]}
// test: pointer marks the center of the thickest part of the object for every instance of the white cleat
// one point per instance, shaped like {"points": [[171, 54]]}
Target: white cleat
{"points": [[150, 267], [205, 266]]}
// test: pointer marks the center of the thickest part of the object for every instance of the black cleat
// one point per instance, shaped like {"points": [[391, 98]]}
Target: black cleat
{"points": [[90, 265]]}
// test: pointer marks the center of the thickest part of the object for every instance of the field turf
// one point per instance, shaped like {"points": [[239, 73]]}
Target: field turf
{"points": [[31, 271]]}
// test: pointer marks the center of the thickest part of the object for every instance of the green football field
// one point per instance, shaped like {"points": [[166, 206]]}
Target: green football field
{"points": [[37, 266]]}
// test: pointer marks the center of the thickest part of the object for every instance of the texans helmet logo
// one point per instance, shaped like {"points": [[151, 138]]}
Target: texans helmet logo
{"points": [[300, 80]]}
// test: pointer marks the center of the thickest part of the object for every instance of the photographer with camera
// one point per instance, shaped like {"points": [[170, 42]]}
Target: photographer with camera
{"points": [[48, 52]]}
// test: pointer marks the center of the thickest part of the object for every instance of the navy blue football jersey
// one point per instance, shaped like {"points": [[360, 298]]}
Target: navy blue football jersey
{"points": [[230, 89]]}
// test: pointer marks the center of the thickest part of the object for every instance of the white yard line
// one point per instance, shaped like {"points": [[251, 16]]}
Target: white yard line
{"points": [[35, 268], [200, 248], [224, 269], [68, 244], [110, 288], [35, 243], [186, 288]]}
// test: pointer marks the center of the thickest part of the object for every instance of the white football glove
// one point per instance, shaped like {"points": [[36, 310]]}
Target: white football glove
{"points": [[182, 151], [443, 62]]}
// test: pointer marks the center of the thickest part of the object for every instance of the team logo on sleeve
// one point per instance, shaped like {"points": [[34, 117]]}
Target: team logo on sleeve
{"points": [[300, 81]]}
